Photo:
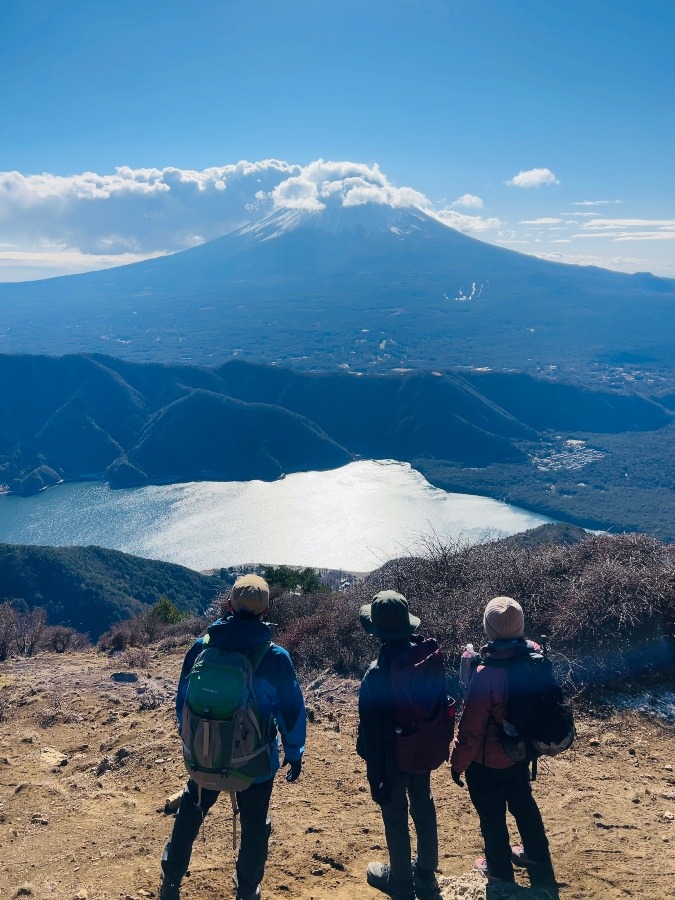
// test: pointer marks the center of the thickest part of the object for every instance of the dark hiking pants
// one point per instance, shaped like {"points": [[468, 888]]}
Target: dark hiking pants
{"points": [[491, 792], [417, 790], [255, 832]]}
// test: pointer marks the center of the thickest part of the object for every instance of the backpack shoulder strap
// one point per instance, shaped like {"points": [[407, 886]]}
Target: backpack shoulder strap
{"points": [[255, 657]]}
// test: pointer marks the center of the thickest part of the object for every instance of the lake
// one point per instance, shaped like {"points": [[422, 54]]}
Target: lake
{"points": [[353, 518]]}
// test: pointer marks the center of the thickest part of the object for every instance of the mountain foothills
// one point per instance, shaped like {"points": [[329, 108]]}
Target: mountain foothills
{"points": [[366, 287], [91, 588], [597, 458]]}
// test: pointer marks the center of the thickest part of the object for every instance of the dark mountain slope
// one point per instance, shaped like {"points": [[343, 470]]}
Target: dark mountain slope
{"points": [[86, 416], [207, 435], [90, 588]]}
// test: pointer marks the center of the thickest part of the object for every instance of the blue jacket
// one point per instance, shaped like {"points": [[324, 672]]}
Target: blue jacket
{"points": [[274, 681]]}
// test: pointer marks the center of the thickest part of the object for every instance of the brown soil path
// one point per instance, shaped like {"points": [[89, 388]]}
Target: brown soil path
{"points": [[86, 764]]}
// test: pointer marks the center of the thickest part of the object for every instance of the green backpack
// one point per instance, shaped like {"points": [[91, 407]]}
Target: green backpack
{"points": [[226, 745]]}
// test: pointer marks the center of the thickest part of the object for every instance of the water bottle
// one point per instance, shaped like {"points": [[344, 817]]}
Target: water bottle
{"points": [[466, 664]]}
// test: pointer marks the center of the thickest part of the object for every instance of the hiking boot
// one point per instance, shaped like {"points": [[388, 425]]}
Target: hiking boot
{"points": [[520, 858], [378, 876], [426, 886], [168, 890], [541, 873], [483, 868], [253, 895]]}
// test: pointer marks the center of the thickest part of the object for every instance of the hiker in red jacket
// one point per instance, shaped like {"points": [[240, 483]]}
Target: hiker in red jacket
{"points": [[494, 780], [388, 619]]}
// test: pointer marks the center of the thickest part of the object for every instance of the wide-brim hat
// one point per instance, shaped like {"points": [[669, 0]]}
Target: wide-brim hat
{"points": [[388, 617]]}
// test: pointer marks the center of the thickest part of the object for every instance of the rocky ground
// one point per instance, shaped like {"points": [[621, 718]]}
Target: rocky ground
{"points": [[87, 761]]}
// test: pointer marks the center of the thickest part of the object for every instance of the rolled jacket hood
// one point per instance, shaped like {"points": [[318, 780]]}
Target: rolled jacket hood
{"points": [[507, 647], [234, 633]]}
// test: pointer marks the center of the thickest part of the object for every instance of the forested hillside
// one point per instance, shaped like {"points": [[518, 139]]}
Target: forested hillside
{"points": [[90, 588]]}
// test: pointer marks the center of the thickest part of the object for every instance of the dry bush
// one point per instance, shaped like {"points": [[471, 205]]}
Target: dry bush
{"points": [[606, 604], [9, 624], [136, 658], [52, 713], [59, 639]]}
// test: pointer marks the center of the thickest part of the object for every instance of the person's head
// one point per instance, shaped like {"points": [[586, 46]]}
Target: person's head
{"points": [[503, 619], [250, 596], [388, 617]]}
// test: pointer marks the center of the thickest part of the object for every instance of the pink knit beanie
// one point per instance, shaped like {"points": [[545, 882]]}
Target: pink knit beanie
{"points": [[503, 619]]}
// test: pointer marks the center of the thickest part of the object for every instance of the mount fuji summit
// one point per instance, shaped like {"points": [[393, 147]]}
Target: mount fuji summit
{"points": [[368, 287]]}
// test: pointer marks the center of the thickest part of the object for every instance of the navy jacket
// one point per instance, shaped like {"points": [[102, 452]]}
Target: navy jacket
{"points": [[274, 681]]}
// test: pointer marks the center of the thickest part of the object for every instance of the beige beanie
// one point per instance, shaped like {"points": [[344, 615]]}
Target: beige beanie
{"points": [[250, 594], [503, 619]]}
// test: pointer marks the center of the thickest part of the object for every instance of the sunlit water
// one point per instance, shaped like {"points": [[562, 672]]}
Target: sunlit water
{"points": [[354, 518]]}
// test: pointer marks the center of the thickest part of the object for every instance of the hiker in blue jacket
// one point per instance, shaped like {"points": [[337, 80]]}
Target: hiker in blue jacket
{"points": [[279, 696]]}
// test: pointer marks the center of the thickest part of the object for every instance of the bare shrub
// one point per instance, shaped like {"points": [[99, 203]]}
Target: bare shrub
{"points": [[60, 639], [52, 713], [9, 623], [137, 657], [602, 603], [29, 630]]}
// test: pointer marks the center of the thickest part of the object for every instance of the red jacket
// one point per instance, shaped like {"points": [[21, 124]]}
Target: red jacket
{"points": [[483, 712]]}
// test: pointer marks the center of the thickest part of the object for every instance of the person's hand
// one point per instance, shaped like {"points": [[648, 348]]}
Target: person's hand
{"points": [[456, 777], [294, 769], [381, 793]]}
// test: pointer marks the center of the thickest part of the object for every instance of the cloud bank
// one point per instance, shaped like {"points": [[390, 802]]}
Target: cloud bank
{"points": [[91, 221]]}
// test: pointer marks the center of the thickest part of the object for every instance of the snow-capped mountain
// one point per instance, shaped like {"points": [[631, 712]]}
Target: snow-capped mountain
{"points": [[362, 287]]}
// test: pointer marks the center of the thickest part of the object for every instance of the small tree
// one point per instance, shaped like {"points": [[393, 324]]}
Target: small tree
{"points": [[166, 612]]}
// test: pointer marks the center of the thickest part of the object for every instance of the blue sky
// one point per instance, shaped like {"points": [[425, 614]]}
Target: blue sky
{"points": [[547, 126]]}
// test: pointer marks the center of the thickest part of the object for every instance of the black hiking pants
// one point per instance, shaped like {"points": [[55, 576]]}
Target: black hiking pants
{"points": [[417, 790], [491, 792], [253, 805]]}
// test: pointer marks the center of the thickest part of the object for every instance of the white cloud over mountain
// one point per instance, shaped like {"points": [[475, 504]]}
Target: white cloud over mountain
{"points": [[133, 213]]}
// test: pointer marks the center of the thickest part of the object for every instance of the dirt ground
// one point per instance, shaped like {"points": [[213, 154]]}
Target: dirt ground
{"points": [[86, 763]]}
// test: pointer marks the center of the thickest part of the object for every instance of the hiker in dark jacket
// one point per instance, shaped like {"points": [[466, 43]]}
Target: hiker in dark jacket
{"points": [[494, 780], [278, 695], [388, 619]]}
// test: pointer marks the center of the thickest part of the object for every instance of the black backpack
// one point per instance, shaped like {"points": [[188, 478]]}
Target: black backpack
{"points": [[538, 722]]}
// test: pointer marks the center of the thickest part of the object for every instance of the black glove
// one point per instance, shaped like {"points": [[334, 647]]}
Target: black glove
{"points": [[380, 792], [457, 777], [294, 769]]}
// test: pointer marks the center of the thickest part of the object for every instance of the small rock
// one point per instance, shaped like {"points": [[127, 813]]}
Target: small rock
{"points": [[103, 766], [597, 815], [668, 768], [172, 803], [39, 819], [594, 743], [81, 895], [26, 890], [631, 751], [318, 872]]}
